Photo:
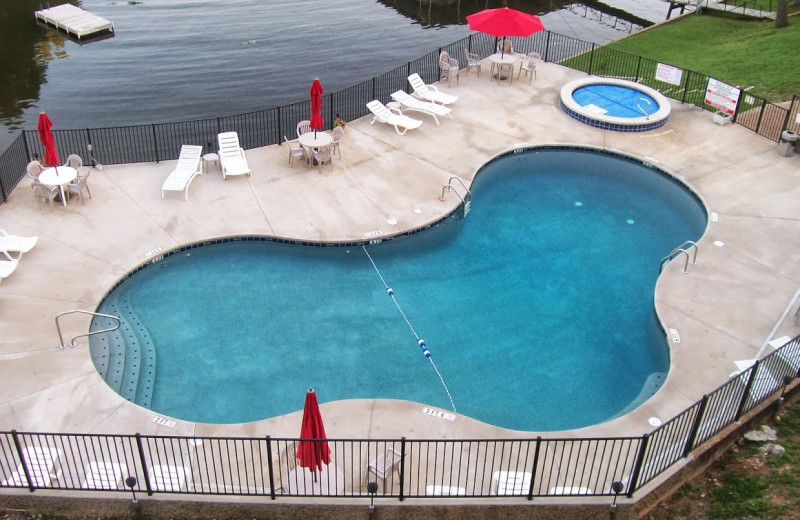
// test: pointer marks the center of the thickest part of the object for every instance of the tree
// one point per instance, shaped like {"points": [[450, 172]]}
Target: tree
{"points": [[781, 14]]}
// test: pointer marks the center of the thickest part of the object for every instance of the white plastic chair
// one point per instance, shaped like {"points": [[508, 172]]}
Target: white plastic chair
{"points": [[337, 134], [303, 127], [473, 61], [529, 66], [323, 154], [77, 187], [45, 193], [33, 169], [448, 68], [294, 153]]}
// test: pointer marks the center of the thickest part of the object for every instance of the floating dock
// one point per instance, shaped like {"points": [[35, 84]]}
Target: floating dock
{"points": [[74, 21]]}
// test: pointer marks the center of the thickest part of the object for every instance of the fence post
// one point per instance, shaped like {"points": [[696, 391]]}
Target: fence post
{"points": [[788, 114], [746, 393], [638, 68], [402, 466], [696, 426], [547, 48], [535, 465], [686, 86], [155, 141], [144, 464], [271, 470], [18, 446], [374, 87], [634, 483], [591, 59]]}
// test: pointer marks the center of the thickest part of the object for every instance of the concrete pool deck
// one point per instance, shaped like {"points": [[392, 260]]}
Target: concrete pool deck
{"points": [[725, 309]]}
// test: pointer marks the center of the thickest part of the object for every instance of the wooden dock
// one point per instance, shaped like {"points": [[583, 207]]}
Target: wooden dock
{"points": [[74, 21]]}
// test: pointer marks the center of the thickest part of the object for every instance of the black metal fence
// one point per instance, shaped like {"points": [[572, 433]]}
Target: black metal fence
{"points": [[266, 466], [162, 141]]}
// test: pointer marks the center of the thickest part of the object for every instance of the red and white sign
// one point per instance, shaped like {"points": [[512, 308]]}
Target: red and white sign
{"points": [[669, 74], [722, 96]]}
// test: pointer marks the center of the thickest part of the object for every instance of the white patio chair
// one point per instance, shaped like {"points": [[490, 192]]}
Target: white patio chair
{"points": [[529, 66], [232, 160], [294, 153], [188, 167], [104, 475], [303, 127], [16, 244], [41, 465], [448, 68], [323, 154], [429, 92], [337, 134], [473, 61], [75, 162], [80, 184], [392, 117], [409, 102], [511, 482], [33, 169], [45, 193], [383, 466]]}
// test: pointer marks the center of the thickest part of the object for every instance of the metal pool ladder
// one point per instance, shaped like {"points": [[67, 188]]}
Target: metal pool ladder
{"points": [[63, 345], [649, 108], [682, 249], [466, 200]]}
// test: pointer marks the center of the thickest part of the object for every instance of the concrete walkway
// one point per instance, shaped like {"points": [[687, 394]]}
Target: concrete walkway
{"points": [[724, 309]]}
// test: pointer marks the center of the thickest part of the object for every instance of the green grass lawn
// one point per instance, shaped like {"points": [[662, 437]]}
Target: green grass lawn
{"points": [[746, 53]]}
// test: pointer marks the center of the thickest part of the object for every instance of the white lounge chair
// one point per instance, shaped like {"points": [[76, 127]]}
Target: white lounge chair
{"points": [[392, 117], [511, 482], [231, 155], [7, 266], [188, 167], [168, 478], [41, 463], [429, 92], [16, 244], [409, 102], [104, 475], [436, 490]]}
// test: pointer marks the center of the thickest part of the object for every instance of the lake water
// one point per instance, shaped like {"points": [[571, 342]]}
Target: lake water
{"points": [[173, 60]]}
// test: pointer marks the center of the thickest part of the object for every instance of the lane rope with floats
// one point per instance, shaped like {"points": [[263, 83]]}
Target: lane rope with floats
{"points": [[421, 342]]}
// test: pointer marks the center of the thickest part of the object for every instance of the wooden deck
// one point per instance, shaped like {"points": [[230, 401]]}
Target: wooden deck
{"points": [[74, 21]]}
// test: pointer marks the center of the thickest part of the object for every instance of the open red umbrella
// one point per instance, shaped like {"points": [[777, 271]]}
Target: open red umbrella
{"points": [[46, 137], [504, 22], [316, 106], [312, 454]]}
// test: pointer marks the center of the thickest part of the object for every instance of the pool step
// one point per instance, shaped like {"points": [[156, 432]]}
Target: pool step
{"points": [[125, 358]]}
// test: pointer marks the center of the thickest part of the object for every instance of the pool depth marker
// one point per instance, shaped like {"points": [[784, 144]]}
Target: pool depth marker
{"points": [[420, 341]]}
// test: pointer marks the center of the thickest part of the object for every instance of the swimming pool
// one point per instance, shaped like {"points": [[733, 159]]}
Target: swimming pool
{"points": [[615, 104], [537, 307]]}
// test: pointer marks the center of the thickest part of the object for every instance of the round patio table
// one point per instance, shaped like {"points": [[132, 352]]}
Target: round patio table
{"points": [[58, 176]]}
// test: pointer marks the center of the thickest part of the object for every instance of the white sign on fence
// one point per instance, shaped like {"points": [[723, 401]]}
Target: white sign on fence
{"points": [[722, 96], [669, 74]]}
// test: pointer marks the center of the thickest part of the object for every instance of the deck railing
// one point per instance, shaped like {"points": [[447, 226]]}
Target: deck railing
{"points": [[161, 141], [267, 466]]}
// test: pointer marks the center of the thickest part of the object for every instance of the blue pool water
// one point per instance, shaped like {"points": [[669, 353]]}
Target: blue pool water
{"points": [[617, 100], [537, 307]]}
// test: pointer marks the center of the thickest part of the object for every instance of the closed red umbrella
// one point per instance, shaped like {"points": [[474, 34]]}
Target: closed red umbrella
{"points": [[46, 137], [316, 106], [312, 454], [505, 22]]}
